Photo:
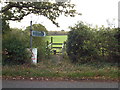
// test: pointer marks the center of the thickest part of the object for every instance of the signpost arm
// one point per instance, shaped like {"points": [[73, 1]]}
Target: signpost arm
{"points": [[31, 35]]}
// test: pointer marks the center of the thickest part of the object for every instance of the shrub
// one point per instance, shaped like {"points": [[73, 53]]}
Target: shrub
{"points": [[15, 48], [87, 44], [39, 43], [79, 45], [107, 45]]}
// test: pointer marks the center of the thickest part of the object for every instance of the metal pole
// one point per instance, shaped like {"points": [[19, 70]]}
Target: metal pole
{"points": [[31, 35]]}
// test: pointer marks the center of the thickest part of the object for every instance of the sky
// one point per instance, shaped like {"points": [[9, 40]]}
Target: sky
{"points": [[94, 12]]}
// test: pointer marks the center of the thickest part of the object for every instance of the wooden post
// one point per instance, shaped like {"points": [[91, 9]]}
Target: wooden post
{"points": [[51, 42], [65, 44], [47, 43], [31, 35]]}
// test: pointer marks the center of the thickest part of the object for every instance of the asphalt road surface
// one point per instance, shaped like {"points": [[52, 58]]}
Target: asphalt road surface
{"points": [[57, 84]]}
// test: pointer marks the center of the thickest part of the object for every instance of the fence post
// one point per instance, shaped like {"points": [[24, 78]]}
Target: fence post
{"points": [[51, 42], [65, 44], [47, 43]]}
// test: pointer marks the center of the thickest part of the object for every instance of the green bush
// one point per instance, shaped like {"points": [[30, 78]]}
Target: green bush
{"points": [[39, 43], [79, 45], [14, 49], [86, 44], [107, 44]]}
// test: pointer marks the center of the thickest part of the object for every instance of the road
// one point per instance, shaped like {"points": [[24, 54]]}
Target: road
{"points": [[57, 84]]}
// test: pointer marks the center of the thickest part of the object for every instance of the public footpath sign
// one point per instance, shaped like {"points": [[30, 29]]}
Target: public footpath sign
{"points": [[38, 33]]}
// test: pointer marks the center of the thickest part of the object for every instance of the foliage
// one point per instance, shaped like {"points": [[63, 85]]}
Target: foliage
{"points": [[15, 48], [39, 43], [107, 44], [36, 27], [17, 10], [79, 47], [5, 26], [86, 44]]}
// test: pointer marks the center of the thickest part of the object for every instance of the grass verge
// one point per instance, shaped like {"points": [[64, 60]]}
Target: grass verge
{"points": [[64, 69]]}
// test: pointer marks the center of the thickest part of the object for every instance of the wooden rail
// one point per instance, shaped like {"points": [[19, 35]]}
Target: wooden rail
{"points": [[57, 43]]}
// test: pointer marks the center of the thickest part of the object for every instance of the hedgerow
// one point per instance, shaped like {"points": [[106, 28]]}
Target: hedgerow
{"points": [[86, 44]]}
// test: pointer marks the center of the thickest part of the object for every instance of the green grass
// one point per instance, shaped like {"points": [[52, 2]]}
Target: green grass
{"points": [[64, 69], [57, 39]]}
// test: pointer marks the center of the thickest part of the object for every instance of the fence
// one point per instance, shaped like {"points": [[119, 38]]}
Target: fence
{"points": [[52, 48]]}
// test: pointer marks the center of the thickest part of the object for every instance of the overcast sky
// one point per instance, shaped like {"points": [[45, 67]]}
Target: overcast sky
{"points": [[94, 12]]}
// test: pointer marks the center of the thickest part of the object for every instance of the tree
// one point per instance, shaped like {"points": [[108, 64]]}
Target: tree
{"points": [[36, 27], [5, 26], [14, 48], [17, 10]]}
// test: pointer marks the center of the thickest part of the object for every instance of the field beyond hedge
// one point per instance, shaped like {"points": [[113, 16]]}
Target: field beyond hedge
{"points": [[57, 38]]}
